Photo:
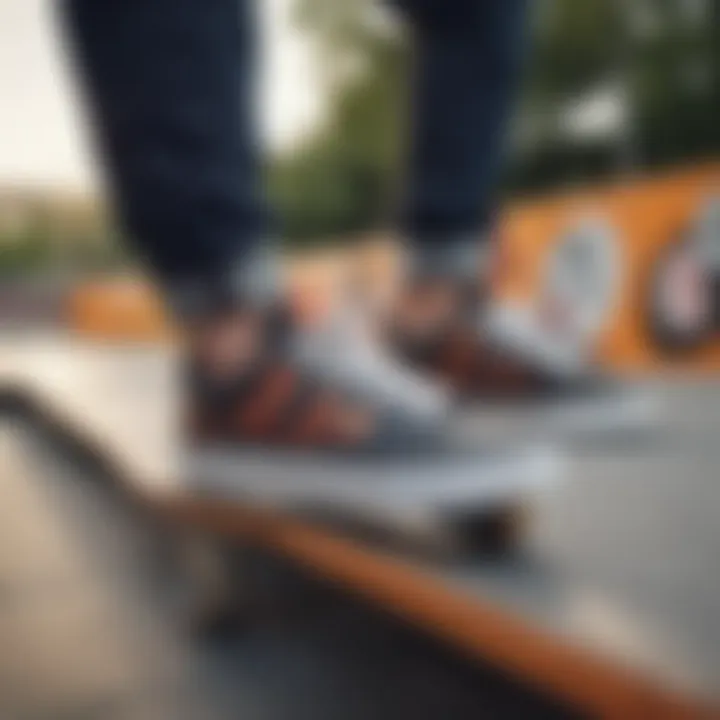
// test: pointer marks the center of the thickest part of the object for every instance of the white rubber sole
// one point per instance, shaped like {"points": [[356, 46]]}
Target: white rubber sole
{"points": [[439, 485], [635, 410]]}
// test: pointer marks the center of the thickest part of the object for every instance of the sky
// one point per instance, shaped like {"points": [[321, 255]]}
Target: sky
{"points": [[42, 140]]}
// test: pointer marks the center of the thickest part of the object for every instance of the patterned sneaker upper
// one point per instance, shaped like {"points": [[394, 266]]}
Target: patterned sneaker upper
{"points": [[279, 399], [459, 351]]}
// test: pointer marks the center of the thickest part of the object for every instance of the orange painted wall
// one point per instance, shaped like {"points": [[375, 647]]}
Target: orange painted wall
{"points": [[647, 215]]}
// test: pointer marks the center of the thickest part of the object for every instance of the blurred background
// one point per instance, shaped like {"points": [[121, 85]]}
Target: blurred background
{"points": [[612, 89], [615, 143]]}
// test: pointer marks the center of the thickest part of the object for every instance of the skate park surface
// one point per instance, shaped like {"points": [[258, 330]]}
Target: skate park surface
{"points": [[85, 630], [610, 611]]}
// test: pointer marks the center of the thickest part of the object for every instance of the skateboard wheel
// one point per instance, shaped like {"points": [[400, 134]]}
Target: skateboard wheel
{"points": [[493, 534]]}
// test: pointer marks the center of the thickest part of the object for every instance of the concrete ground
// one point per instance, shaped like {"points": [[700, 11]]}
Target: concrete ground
{"points": [[87, 633]]}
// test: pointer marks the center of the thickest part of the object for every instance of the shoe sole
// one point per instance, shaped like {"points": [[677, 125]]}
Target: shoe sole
{"points": [[621, 414], [307, 480]]}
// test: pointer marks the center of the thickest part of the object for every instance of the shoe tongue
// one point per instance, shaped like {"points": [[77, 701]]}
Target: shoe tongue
{"points": [[347, 351], [526, 335]]}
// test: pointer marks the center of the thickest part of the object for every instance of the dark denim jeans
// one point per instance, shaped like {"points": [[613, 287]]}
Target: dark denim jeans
{"points": [[170, 84]]}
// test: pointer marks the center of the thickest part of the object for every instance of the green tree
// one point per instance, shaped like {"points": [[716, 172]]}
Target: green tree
{"points": [[661, 55], [340, 180]]}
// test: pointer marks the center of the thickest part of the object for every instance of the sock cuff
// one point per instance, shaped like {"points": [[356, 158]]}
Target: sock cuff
{"points": [[461, 258], [252, 279]]}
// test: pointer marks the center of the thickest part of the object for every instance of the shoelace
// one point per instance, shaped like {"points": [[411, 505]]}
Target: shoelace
{"points": [[347, 350]]}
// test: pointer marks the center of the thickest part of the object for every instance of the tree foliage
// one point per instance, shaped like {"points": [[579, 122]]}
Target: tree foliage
{"points": [[663, 55]]}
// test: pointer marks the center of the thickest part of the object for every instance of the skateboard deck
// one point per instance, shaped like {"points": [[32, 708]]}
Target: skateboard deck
{"points": [[617, 615]]}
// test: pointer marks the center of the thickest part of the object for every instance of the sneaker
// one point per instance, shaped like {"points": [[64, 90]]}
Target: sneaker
{"points": [[510, 370], [270, 425]]}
